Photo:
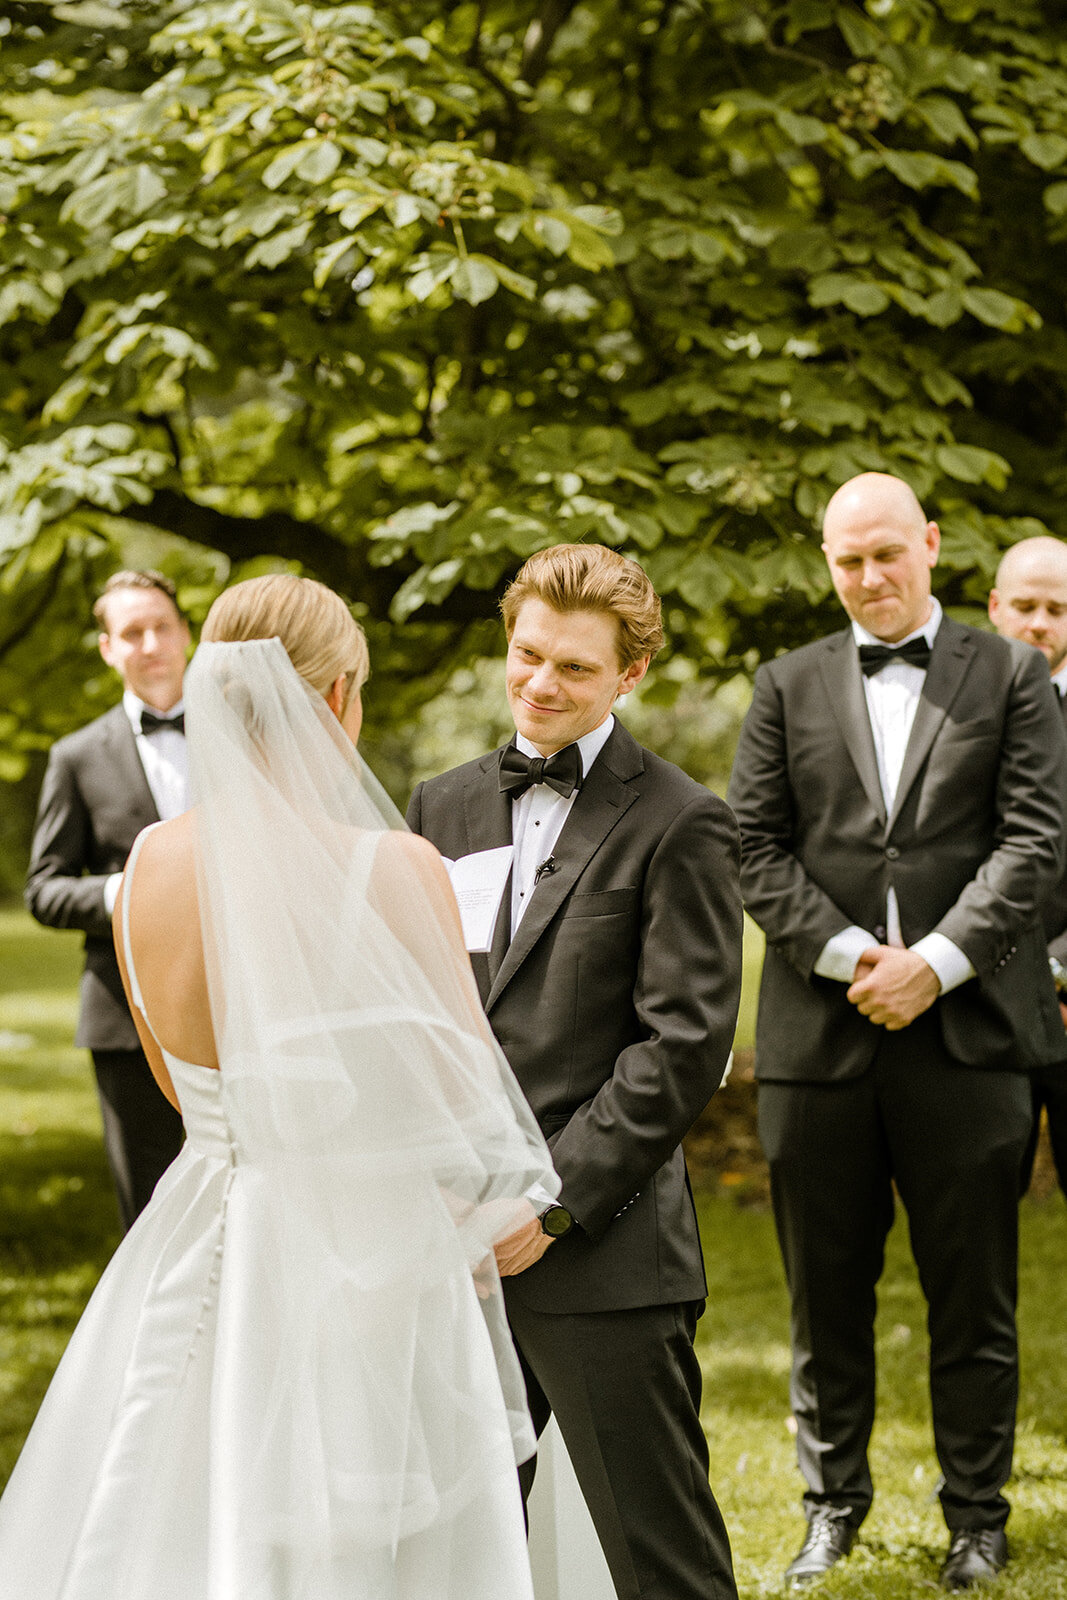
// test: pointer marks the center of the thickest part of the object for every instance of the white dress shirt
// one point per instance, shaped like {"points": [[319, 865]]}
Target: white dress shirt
{"points": [[1059, 680], [892, 700], [537, 819], [165, 759]]}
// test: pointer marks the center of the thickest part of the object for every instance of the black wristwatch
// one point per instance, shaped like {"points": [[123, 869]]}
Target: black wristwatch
{"points": [[556, 1220]]}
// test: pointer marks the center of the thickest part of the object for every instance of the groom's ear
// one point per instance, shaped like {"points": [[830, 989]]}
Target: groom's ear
{"points": [[633, 675]]}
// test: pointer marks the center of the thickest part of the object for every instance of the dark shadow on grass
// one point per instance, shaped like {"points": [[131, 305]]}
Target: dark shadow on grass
{"points": [[745, 1390], [57, 1208], [61, 1066]]}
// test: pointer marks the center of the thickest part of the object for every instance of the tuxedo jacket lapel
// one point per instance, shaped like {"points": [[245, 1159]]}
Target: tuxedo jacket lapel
{"points": [[840, 667], [604, 797], [120, 751], [487, 812], [952, 653]]}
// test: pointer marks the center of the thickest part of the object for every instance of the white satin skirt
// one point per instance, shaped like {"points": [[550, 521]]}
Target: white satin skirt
{"points": [[225, 1423]]}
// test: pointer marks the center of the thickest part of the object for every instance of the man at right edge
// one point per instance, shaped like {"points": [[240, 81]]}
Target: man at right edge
{"points": [[1029, 603], [900, 791]]}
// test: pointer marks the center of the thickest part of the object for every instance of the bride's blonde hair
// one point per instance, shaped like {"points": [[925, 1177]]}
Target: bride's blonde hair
{"points": [[318, 632]]}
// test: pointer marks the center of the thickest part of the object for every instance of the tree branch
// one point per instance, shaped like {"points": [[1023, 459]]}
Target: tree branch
{"points": [[345, 567], [541, 35], [32, 617]]}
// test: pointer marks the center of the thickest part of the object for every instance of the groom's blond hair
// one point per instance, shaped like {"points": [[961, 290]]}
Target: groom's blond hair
{"points": [[590, 577], [320, 635]]}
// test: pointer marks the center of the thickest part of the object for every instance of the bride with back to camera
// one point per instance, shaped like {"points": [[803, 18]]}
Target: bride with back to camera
{"points": [[294, 1380]]}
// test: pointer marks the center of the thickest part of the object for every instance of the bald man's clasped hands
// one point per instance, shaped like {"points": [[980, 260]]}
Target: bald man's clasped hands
{"points": [[900, 789], [892, 987]]}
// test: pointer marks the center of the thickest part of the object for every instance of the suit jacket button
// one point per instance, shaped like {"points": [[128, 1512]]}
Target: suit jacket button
{"points": [[891, 852]]}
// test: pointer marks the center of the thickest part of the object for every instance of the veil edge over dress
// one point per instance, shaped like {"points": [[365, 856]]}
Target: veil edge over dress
{"points": [[382, 1140]]}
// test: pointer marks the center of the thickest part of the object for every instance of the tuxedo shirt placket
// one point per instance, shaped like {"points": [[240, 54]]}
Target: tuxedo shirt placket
{"points": [[892, 705], [164, 757], [538, 817], [892, 700]]}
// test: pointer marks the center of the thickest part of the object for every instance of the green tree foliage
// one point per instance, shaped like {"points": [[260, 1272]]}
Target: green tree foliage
{"points": [[402, 292]]}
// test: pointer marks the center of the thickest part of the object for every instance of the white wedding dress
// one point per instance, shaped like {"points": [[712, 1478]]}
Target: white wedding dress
{"points": [[286, 1386], [565, 1555]]}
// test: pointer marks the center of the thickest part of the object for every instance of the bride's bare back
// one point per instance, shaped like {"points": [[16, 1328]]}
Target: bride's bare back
{"points": [[168, 950]]}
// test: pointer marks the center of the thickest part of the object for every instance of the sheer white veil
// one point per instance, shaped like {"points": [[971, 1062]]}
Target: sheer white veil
{"points": [[370, 1105]]}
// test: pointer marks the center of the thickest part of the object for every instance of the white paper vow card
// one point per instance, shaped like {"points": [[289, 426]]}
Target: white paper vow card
{"points": [[478, 883]]}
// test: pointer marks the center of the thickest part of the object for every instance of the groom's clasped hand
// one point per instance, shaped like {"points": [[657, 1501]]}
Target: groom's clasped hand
{"points": [[524, 1246]]}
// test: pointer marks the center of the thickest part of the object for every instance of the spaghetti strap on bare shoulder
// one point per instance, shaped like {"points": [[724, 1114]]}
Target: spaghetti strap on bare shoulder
{"points": [[124, 898]]}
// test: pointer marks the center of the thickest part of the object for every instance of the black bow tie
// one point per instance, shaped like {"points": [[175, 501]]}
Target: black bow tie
{"points": [[873, 657], [562, 772], [150, 723]]}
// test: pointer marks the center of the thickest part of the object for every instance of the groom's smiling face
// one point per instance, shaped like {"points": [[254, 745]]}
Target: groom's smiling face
{"points": [[563, 673]]}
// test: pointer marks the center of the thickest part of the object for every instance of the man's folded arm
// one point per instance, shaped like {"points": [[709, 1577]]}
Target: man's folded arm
{"points": [[686, 996], [58, 893]]}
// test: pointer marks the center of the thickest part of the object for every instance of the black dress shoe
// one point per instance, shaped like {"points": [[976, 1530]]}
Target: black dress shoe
{"points": [[974, 1556], [829, 1537]]}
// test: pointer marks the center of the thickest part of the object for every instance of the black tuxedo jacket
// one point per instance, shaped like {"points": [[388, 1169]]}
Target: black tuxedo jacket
{"points": [[615, 1004], [972, 846], [94, 802], [1054, 913]]}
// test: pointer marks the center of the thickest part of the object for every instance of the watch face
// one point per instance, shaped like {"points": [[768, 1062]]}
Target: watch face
{"points": [[556, 1221]]}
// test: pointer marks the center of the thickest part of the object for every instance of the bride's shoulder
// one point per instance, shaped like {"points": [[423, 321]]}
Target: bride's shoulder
{"points": [[167, 842], [166, 859], [402, 853]]}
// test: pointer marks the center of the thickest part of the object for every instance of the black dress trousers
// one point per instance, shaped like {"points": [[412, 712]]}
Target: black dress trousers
{"points": [[951, 1138], [625, 1389], [143, 1132]]}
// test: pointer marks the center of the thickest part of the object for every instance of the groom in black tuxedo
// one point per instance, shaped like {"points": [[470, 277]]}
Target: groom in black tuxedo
{"points": [[612, 985], [900, 790], [102, 785]]}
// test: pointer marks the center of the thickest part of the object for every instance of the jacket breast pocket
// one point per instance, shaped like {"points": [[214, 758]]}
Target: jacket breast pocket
{"points": [[973, 730], [602, 903]]}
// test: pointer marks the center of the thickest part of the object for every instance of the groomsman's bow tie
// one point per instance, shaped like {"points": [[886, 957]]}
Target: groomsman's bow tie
{"points": [[150, 723], [873, 657], [562, 771]]}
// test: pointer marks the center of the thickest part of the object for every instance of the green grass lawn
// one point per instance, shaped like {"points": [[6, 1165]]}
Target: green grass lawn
{"points": [[58, 1227], [58, 1219]]}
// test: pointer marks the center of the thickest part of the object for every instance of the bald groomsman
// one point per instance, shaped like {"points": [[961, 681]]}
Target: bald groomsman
{"points": [[900, 790], [1030, 603]]}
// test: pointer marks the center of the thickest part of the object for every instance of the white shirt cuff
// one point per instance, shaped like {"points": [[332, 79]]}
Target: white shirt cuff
{"points": [[839, 955], [947, 960], [540, 1198], [111, 892]]}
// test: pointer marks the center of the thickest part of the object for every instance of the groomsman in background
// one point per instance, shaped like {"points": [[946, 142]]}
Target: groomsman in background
{"points": [[900, 791], [102, 785], [612, 985], [1029, 602]]}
